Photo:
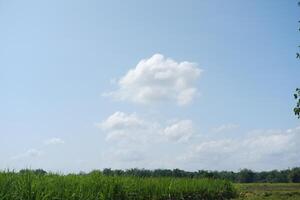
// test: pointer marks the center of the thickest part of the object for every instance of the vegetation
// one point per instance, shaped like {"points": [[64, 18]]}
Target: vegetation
{"points": [[141, 184], [294, 176], [297, 93], [34, 185], [271, 191], [243, 176], [297, 108]]}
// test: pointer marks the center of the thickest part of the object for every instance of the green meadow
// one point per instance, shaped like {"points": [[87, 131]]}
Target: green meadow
{"points": [[30, 185], [95, 186], [268, 191]]}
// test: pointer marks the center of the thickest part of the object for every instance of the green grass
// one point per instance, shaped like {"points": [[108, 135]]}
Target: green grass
{"points": [[95, 186], [269, 191]]}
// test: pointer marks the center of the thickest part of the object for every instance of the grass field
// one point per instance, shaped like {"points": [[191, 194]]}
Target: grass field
{"points": [[29, 186], [95, 186], [270, 191]]}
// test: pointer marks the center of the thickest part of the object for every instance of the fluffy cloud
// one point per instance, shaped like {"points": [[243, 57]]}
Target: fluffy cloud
{"points": [[54, 141], [179, 131], [258, 150], [136, 141], [125, 127], [131, 127], [176, 145], [159, 79], [121, 121]]}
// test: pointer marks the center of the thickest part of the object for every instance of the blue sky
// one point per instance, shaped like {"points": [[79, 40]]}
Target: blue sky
{"points": [[64, 106]]}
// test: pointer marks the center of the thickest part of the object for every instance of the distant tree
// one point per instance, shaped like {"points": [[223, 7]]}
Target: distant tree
{"points": [[23, 171], [40, 172], [95, 172], [33, 171], [162, 173], [276, 176], [82, 173], [294, 175], [107, 171], [246, 176], [178, 173]]}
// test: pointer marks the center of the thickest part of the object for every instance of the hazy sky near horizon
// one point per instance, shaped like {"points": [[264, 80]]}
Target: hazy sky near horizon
{"points": [[148, 84]]}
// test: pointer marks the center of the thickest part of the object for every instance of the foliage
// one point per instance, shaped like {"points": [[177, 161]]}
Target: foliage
{"points": [[297, 108], [243, 176], [297, 93], [294, 176], [246, 176], [36, 171], [31, 186], [268, 191]]}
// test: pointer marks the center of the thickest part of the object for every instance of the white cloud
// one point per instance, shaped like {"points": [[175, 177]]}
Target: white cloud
{"points": [[125, 127], [225, 127], [159, 79], [133, 128], [31, 153], [267, 150], [54, 141], [120, 121], [174, 144], [179, 131]]}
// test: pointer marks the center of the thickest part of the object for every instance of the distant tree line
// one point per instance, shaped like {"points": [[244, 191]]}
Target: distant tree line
{"points": [[243, 176]]}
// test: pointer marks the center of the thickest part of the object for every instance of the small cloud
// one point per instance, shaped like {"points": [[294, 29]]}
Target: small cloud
{"points": [[179, 131], [225, 127], [120, 120], [158, 79], [125, 127], [31, 153], [54, 141]]}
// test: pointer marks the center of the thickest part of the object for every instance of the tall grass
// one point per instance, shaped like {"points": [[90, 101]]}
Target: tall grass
{"points": [[95, 186]]}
